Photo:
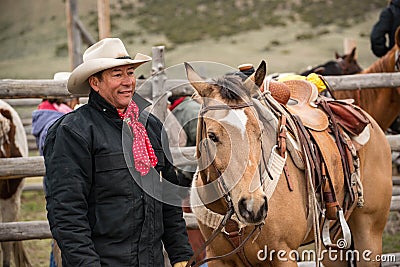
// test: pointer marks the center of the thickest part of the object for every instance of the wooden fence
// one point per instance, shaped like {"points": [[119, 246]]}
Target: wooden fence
{"points": [[27, 93]]}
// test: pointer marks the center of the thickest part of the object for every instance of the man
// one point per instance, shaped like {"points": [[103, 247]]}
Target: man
{"points": [[383, 32], [103, 191]]}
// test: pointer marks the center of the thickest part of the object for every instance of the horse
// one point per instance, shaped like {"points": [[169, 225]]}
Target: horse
{"points": [[383, 104], [13, 143], [342, 65], [245, 225]]}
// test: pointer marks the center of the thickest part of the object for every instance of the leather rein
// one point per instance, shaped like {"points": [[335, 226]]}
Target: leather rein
{"points": [[225, 192], [397, 60]]}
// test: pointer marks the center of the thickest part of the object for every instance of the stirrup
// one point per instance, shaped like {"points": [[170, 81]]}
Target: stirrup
{"points": [[342, 243]]}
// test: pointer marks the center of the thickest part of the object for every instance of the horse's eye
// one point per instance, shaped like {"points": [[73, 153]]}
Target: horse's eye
{"points": [[213, 137]]}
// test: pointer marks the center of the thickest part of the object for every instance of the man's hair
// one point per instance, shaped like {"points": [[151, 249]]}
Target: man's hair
{"points": [[99, 75]]}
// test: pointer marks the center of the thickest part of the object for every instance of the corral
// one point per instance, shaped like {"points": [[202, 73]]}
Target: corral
{"points": [[26, 94]]}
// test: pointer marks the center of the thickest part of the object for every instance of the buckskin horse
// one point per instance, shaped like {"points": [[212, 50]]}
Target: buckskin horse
{"points": [[13, 143], [383, 104], [245, 208]]}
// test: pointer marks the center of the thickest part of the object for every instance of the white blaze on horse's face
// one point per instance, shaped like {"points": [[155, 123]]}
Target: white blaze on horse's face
{"points": [[238, 119]]}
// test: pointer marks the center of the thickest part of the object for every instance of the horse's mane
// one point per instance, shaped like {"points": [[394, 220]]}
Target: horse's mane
{"points": [[383, 64], [231, 87], [5, 128]]}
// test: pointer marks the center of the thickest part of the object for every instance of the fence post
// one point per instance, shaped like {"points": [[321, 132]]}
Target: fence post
{"points": [[157, 83], [103, 7], [348, 45], [74, 35]]}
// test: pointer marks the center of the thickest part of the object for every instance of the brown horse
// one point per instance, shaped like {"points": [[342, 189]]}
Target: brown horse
{"points": [[383, 104], [342, 65], [236, 137], [13, 143]]}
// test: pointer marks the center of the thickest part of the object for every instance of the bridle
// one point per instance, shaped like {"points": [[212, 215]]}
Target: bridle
{"points": [[203, 134], [221, 183], [222, 187], [397, 60]]}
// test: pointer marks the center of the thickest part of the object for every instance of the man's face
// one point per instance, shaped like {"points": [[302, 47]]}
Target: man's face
{"points": [[116, 86]]}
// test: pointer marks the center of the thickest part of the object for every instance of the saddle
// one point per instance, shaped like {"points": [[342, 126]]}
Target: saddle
{"points": [[304, 95], [323, 128]]}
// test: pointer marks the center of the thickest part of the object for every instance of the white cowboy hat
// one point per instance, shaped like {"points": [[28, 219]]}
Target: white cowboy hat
{"points": [[105, 54]]}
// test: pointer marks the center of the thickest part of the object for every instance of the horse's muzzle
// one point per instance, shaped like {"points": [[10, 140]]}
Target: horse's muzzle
{"points": [[251, 213]]}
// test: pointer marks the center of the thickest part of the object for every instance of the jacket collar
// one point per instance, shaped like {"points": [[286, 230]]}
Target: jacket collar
{"points": [[100, 103], [141, 102]]}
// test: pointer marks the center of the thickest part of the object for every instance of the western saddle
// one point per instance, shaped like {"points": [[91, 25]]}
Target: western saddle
{"points": [[329, 132]]}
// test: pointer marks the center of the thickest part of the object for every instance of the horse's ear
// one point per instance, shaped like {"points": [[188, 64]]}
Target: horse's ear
{"points": [[260, 73], [337, 56], [195, 80], [255, 80], [352, 55]]}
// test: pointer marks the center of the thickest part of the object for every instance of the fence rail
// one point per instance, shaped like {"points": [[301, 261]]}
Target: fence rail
{"points": [[16, 90], [44, 88]]}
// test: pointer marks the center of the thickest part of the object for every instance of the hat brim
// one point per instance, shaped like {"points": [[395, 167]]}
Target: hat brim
{"points": [[78, 81]]}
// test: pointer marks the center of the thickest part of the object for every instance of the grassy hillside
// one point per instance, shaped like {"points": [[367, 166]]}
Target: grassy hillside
{"points": [[290, 35]]}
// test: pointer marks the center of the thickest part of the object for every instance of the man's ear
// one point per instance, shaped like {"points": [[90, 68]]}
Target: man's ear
{"points": [[94, 82]]}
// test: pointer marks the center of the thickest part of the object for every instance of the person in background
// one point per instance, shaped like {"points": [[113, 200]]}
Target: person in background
{"points": [[48, 111], [103, 171], [383, 39], [383, 32]]}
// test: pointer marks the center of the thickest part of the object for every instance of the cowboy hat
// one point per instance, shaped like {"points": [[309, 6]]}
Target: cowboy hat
{"points": [[105, 54]]}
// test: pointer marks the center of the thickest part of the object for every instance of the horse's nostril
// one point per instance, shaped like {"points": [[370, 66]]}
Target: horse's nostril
{"points": [[243, 209], [264, 208], [266, 203]]}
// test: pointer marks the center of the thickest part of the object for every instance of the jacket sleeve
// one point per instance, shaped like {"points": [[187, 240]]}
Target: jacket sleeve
{"points": [[379, 31], [68, 181], [175, 238]]}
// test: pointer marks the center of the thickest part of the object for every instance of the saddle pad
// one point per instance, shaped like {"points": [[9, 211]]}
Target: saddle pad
{"points": [[333, 161], [305, 93]]}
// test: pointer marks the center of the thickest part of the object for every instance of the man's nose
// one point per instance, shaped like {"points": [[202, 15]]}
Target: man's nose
{"points": [[127, 80]]}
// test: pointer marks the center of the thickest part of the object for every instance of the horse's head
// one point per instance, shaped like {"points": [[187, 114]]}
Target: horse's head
{"points": [[229, 143], [348, 63]]}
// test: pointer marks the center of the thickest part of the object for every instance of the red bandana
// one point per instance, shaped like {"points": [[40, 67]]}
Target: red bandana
{"points": [[142, 150]]}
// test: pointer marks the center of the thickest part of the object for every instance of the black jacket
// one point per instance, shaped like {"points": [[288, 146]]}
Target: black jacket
{"points": [[387, 24], [101, 211]]}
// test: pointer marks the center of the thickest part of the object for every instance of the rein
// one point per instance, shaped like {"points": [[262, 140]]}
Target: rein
{"points": [[225, 192], [397, 60]]}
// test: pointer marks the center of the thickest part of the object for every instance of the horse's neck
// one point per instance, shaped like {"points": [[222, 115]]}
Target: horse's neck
{"points": [[384, 64]]}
